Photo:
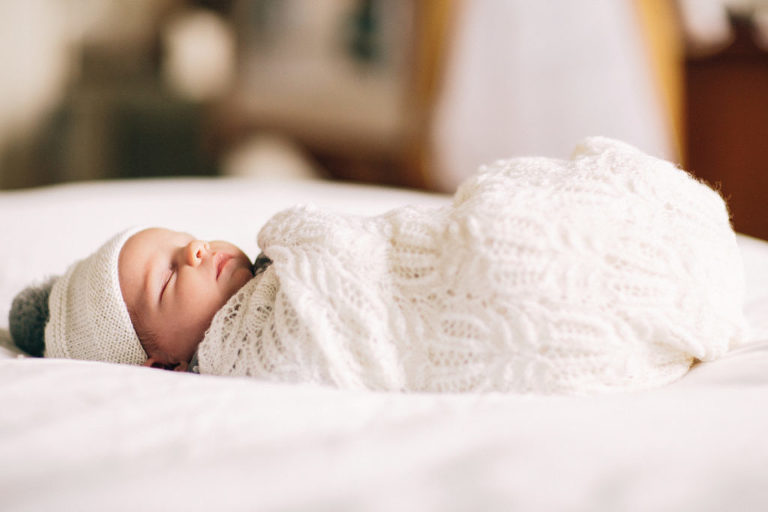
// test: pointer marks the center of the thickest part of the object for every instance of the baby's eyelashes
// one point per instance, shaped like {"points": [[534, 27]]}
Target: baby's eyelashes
{"points": [[168, 276]]}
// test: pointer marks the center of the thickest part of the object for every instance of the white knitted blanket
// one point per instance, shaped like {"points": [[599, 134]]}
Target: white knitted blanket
{"points": [[610, 271]]}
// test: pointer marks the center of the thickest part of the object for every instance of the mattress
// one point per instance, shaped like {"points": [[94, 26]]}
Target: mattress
{"points": [[93, 436]]}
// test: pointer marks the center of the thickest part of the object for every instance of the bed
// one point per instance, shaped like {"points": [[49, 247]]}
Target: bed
{"points": [[92, 436]]}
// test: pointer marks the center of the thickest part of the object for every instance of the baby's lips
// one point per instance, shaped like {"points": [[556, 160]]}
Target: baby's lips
{"points": [[220, 260]]}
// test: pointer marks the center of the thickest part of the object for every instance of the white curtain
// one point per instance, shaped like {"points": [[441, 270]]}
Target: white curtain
{"points": [[532, 77]]}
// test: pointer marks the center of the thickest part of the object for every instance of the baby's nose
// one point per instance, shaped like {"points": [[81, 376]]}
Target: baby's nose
{"points": [[196, 252]]}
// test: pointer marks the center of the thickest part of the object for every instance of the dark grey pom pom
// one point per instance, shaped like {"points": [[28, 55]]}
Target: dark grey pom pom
{"points": [[28, 316]]}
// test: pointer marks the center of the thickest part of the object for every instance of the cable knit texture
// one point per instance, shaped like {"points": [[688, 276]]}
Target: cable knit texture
{"points": [[609, 271]]}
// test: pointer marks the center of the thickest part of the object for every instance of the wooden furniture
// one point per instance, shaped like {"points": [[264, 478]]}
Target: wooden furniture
{"points": [[727, 125], [367, 122]]}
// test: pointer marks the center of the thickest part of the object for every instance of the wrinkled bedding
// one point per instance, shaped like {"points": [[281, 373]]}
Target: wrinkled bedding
{"points": [[91, 436]]}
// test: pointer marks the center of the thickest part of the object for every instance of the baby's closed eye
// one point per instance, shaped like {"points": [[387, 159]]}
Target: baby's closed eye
{"points": [[166, 280]]}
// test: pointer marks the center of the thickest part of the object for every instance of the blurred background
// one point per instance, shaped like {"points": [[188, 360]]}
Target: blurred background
{"points": [[410, 93]]}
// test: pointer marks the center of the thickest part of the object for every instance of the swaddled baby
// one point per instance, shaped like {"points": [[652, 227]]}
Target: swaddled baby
{"points": [[610, 271]]}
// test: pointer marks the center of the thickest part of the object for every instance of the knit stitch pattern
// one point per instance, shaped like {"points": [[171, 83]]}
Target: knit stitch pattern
{"points": [[610, 271], [88, 316]]}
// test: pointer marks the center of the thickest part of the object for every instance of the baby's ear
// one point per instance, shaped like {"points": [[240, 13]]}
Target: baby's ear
{"points": [[153, 362]]}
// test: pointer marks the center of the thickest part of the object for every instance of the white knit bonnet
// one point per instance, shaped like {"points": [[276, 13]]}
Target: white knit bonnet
{"points": [[88, 316]]}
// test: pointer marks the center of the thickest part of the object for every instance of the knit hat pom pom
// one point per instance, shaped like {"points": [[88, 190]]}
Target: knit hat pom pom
{"points": [[28, 317]]}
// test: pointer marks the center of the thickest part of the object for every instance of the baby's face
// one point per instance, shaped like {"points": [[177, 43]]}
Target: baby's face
{"points": [[173, 284]]}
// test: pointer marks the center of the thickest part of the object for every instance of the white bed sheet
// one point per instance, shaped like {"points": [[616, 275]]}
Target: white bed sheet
{"points": [[92, 436]]}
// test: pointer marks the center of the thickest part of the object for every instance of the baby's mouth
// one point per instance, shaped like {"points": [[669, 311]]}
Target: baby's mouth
{"points": [[221, 260]]}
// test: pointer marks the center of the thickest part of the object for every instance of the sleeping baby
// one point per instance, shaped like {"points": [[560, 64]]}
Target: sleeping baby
{"points": [[610, 271]]}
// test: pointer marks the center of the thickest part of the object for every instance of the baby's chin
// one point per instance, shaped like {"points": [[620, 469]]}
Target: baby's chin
{"points": [[239, 277]]}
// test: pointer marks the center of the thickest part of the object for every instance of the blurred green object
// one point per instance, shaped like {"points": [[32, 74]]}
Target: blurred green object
{"points": [[364, 34], [162, 137]]}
